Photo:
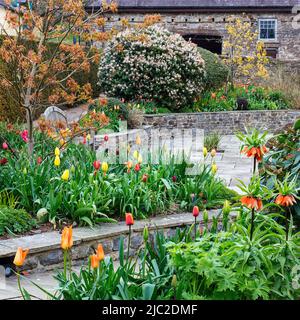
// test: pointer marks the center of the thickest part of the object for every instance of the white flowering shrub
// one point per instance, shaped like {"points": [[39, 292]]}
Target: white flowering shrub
{"points": [[152, 64]]}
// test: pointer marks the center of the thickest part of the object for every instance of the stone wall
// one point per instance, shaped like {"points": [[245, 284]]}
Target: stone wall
{"points": [[287, 43], [225, 122]]}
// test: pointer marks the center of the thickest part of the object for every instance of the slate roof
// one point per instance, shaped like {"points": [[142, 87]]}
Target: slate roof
{"points": [[203, 3]]}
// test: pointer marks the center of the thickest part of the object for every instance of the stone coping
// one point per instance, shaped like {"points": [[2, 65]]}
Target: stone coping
{"points": [[51, 240], [221, 112]]}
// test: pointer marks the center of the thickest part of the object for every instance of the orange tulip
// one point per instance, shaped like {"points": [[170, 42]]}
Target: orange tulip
{"points": [[20, 257], [94, 261], [129, 219], [252, 203], [100, 252], [285, 201], [67, 238]]}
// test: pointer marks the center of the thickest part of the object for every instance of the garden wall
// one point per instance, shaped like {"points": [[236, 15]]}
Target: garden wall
{"points": [[224, 122]]}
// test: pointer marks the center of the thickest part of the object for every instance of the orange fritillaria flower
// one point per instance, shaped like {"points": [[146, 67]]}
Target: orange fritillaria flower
{"points": [[256, 152], [252, 203], [20, 257], [129, 219], [67, 238], [100, 252], [285, 201], [94, 261]]}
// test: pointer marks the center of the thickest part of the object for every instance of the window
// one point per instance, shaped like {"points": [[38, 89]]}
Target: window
{"points": [[268, 29]]}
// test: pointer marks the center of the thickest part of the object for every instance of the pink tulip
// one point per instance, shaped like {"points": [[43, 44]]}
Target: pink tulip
{"points": [[4, 146], [24, 136]]}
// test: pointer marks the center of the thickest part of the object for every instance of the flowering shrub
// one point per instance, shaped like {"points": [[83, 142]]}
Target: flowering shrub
{"points": [[152, 63]]}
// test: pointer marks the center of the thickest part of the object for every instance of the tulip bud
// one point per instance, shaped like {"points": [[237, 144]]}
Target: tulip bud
{"points": [[65, 176], [20, 257], [88, 137], [213, 153], [57, 161], [57, 152], [137, 167], [226, 207], [138, 140], [106, 138], [145, 178], [205, 152], [174, 281], [72, 169], [25, 170], [214, 168], [136, 154], [174, 178], [129, 219], [140, 159], [97, 165], [4, 146], [205, 216], [39, 160], [196, 211], [146, 234], [104, 167]]}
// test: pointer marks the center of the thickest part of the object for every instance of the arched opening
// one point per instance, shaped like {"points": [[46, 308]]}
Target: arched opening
{"points": [[212, 43]]}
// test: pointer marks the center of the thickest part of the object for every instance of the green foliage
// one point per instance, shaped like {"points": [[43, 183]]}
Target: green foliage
{"points": [[258, 99], [216, 71], [15, 221], [212, 141], [228, 266], [283, 160]]}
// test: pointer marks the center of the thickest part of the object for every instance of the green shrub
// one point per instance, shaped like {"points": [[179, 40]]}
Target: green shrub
{"points": [[15, 221], [216, 71], [152, 64]]}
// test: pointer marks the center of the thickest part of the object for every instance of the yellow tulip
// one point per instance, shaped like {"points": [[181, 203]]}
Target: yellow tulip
{"points": [[213, 153], [88, 137], [138, 140], [214, 168], [104, 167], [205, 152], [61, 142], [57, 152], [65, 176], [140, 159], [57, 161], [136, 154]]}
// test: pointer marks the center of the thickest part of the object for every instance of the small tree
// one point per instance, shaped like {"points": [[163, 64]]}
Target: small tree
{"points": [[40, 56], [245, 55]]}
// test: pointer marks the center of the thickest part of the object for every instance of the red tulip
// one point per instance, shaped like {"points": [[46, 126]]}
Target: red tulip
{"points": [[4, 146], [129, 219], [106, 138], [145, 178], [196, 211], [3, 161], [24, 135], [97, 165], [174, 178], [39, 160], [137, 167]]}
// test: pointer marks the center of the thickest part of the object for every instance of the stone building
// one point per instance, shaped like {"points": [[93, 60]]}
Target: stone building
{"points": [[203, 21]]}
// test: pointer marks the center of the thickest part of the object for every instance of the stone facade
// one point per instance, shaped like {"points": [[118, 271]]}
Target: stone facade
{"points": [[208, 20], [225, 123]]}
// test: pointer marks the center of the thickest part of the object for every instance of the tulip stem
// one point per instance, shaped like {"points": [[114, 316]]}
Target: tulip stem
{"points": [[195, 227], [19, 284], [287, 218], [252, 224], [65, 263], [129, 238]]}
